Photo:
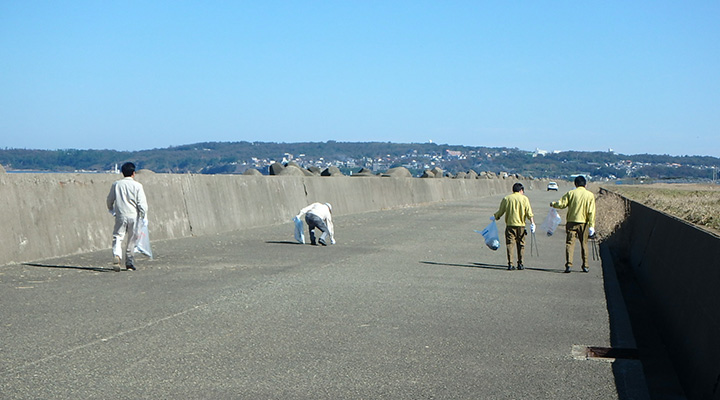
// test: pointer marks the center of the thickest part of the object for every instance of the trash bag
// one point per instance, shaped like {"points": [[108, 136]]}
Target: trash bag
{"points": [[551, 222], [299, 230], [490, 233], [142, 235]]}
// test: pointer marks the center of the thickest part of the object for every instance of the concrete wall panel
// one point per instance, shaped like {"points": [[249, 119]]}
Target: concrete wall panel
{"points": [[167, 212], [50, 215], [221, 203], [677, 267]]}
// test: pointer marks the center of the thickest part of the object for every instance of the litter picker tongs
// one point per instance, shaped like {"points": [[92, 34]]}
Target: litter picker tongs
{"points": [[594, 245], [533, 245]]}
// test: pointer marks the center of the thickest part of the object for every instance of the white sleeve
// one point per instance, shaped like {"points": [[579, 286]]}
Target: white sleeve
{"points": [[305, 210], [331, 228], [142, 203]]}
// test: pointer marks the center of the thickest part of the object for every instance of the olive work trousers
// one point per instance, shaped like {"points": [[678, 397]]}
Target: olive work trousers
{"points": [[515, 241], [579, 231]]}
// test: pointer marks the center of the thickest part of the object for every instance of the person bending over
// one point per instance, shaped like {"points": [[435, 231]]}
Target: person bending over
{"points": [[319, 216]]}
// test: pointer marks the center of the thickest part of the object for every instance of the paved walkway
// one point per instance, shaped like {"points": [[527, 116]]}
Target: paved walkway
{"points": [[409, 304]]}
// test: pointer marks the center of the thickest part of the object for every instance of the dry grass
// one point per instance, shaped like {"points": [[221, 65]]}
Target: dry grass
{"points": [[695, 203], [611, 211]]}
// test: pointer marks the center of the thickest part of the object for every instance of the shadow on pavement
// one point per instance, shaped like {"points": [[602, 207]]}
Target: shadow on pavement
{"points": [[554, 271], [652, 376], [282, 242], [94, 269], [492, 266], [471, 265]]}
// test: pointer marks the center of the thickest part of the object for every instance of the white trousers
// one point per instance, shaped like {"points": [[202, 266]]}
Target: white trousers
{"points": [[124, 226]]}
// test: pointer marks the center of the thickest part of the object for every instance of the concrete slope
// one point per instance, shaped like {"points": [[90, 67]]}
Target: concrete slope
{"points": [[409, 304]]}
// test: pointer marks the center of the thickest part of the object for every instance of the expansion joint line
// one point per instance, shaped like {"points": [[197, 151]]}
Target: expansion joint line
{"points": [[187, 209], [98, 341]]}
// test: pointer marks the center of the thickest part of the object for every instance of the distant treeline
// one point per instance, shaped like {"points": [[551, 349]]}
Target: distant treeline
{"points": [[234, 157]]}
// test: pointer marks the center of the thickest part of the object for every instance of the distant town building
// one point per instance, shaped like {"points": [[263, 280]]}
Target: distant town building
{"points": [[453, 153], [539, 152]]}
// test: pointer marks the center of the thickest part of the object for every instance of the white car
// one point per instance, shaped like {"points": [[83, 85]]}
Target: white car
{"points": [[552, 186]]}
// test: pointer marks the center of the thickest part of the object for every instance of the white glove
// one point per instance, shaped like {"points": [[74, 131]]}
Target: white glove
{"points": [[144, 221], [532, 228], [111, 212], [492, 218], [592, 232], [332, 241]]}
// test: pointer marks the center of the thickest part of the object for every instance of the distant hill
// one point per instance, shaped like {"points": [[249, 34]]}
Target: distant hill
{"points": [[236, 157]]}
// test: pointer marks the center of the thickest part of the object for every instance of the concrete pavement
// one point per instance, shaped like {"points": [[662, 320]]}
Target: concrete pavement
{"points": [[409, 304]]}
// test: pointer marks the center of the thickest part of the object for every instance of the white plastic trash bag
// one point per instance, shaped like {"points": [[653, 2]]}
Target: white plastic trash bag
{"points": [[143, 239], [490, 233], [551, 222], [299, 230]]}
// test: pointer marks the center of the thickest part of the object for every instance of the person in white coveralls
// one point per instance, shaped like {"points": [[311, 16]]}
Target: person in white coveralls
{"points": [[319, 215], [127, 202]]}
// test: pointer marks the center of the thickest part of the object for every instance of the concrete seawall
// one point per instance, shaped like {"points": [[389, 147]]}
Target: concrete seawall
{"points": [[677, 268], [50, 215]]}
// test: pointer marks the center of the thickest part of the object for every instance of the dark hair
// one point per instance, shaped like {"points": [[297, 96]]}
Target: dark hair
{"points": [[518, 187], [580, 181], [127, 169]]}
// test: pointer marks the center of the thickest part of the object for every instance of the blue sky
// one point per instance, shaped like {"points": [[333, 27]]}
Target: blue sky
{"points": [[637, 76]]}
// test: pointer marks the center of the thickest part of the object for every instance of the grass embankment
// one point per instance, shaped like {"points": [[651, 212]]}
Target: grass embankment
{"points": [[695, 203], [611, 211]]}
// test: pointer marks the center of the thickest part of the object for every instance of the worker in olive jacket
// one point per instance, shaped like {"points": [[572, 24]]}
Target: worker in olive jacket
{"points": [[580, 220]]}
